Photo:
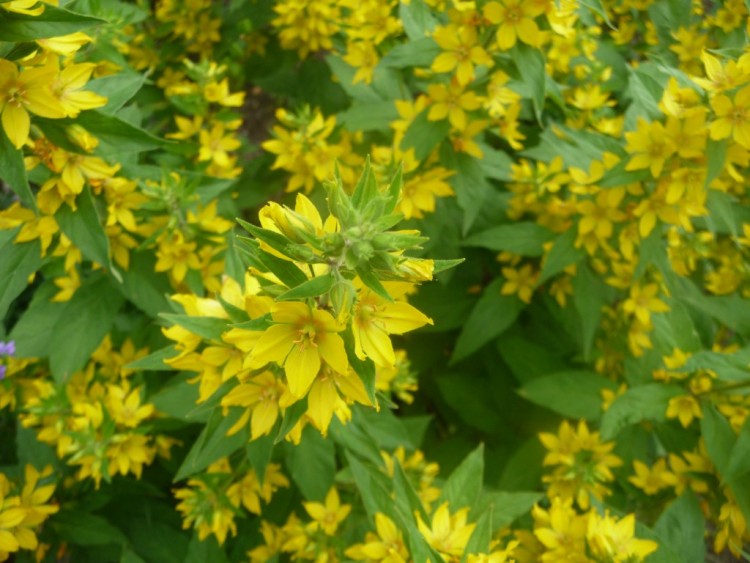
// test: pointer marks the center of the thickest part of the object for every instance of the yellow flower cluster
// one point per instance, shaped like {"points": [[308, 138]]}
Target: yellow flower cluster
{"points": [[278, 350], [211, 501], [98, 421], [598, 150], [24, 509]]}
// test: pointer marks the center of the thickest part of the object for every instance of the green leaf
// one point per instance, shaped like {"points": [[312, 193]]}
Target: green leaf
{"points": [[463, 487], [32, 451], [291, 416], [739, 459], [13, 169], [722, 217], [371, 281], [491, 315], [210, 328], [682, 527], [530, 64], [562, 254], [144, 287], [155, 360], [373, 116], [275, 240], [522, 238], [366, 187], [417, 19], [312, 464], [647, 402], [311, 288], [82, 528], [443, 265], [645, 93], [407, 499], [420, 52], [716, 153], [85, 230], [35, 329], [259, 452], [506, 506], [480, 539], [119, 88], [17, 263], [130, 556], [52, 22], [289, 274], [469, 183], [373, 486], [589, 296], [84, 322], [203, 550], [527, 359], [178, 399], [718, 436], [117, 137], [385, 428], [728, 367], [574, 394], [213, 442], [732, 311], [424, 135]]}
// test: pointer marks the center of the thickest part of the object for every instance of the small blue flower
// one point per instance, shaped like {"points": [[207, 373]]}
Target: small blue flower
{"points": [[7, 348]]}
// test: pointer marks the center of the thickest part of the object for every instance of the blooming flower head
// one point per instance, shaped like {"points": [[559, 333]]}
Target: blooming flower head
{"points": [[24, 92], [300, 339]]}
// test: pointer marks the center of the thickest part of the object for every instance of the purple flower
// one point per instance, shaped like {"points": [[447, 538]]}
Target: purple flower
{"points": [[7, 348], [2, 372]]}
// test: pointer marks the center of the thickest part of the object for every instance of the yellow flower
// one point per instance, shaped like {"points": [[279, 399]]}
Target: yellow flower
{"points": [[643, 301], [521, 281], [300, 338], [732, 117], [451, 102], [218, 92], [67, 87], [216, 144], [515, 19], [272, 542], [561, 530], [461, 52], [260, 396], [248, 490], [186, 127], [26, 7], [125, 408], [374, 319], [24, 92], [614, 540], [599, 216], [387, 546], [176, 256], [685, 408], [329, 515], [129, 453], [447, 534], [75, 169], [65, 45], [331, 393], [363, 56], [652, 480], [508, 124], [307, 26], [205, 510], [650, 147]]}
